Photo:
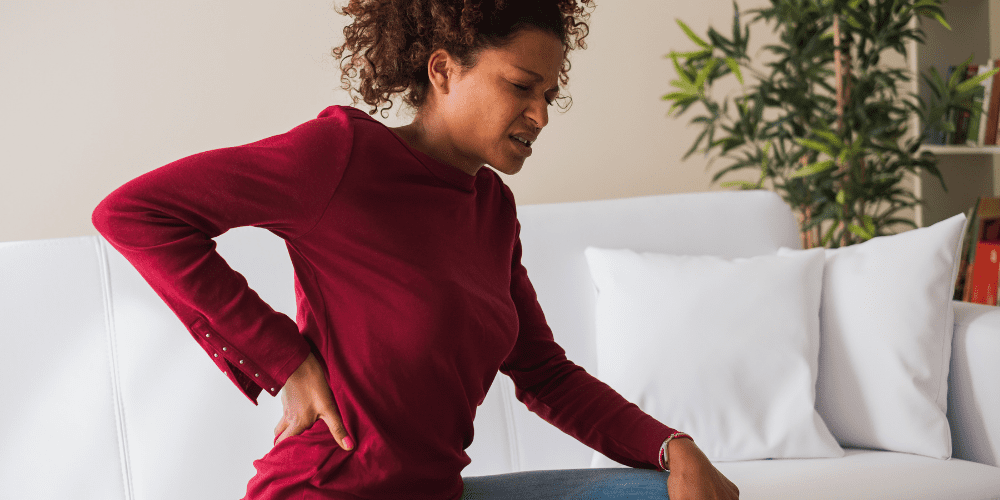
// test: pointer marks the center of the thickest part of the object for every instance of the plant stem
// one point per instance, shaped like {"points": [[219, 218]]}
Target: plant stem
{"points": [[842, 71]]}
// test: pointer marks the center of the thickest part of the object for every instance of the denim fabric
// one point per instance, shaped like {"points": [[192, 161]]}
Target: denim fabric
{"points": [[575, 484]]}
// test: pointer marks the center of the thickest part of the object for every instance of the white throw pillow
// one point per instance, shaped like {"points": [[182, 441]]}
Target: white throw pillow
{"points": [[725, 350], [886, 330]]}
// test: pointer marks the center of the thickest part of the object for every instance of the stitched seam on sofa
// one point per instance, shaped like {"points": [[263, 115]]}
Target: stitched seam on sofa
{"points": [[948, 340], [947, 344], [51, 242], [109, 327]]}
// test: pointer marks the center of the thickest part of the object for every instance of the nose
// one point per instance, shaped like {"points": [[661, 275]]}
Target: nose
{"points": [[538, 113]]}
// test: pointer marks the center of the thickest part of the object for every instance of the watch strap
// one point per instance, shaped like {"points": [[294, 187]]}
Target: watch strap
{"points": [[664, 457]]}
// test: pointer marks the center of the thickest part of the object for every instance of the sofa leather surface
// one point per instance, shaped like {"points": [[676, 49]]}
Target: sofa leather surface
{"points": [[183, 417], [864, 475], [59, 430], [973, 402]]}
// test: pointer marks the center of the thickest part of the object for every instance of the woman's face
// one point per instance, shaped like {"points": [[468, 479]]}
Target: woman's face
{"points": [[501, 103]]}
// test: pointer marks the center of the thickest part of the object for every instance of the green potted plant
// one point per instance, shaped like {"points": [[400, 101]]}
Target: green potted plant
{"points": [[825, 125]]}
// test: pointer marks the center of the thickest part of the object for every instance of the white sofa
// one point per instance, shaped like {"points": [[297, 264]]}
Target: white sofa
{"points": [[105, 395]]}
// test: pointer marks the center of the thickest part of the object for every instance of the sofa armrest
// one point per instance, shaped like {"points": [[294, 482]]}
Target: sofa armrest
{"points": [[974, 384]]}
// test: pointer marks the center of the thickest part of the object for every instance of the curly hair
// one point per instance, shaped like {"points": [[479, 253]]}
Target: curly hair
{"points": [[388, 44]]}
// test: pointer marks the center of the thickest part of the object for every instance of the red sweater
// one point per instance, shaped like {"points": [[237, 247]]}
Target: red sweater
{"points": [[409, 290]]}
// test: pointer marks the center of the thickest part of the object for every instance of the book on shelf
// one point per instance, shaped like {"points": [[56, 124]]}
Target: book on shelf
{"points": [[980, 128], [993, 110], [963, 117], [977, 127], [986, 274], [979, 273], [966, 254]]}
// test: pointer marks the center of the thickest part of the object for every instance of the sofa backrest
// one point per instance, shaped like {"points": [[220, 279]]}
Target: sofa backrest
{"points": [[112, 398], [59, 432], [190, 433]]}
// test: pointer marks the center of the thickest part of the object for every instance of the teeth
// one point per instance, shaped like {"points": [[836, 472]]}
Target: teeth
{"points": [[524, 141]]}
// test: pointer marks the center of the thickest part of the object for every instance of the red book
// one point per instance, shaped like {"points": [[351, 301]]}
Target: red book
{"points": [[986, 274], [993, 113]]}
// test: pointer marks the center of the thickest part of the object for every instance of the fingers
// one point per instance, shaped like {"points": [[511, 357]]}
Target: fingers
{"points": [[336, 426], [332, 420], [285, 430], [731, 488], [279, 429], [293, 428], [307, 398], [290, 426]]}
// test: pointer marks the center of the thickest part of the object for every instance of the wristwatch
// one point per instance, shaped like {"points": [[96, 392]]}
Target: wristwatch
{"points": [[664, 457]]}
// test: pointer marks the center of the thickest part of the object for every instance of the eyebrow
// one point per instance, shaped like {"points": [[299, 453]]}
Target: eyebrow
{"points": [[536, 76]]}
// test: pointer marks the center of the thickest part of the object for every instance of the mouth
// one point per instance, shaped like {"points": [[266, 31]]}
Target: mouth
{"points": [[522, 140], [522, 144]]}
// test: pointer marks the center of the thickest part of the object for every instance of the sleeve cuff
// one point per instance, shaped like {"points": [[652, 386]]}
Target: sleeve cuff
{"points": [[249, 375]]}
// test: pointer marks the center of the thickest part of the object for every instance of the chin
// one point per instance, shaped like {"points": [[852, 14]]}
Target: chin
{"points": [[509, 168]]}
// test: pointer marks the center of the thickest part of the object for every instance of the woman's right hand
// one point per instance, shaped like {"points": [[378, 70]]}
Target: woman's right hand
{"points": [[306, 398]]}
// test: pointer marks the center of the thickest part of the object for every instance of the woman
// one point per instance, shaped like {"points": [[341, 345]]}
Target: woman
{"points": [[410, 291]]}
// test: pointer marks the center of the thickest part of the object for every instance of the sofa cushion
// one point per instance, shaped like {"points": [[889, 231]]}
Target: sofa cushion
{"points": [[59, 428], [886, 332], [724, 349], [973, 382], [864, 475], [728, 223]]}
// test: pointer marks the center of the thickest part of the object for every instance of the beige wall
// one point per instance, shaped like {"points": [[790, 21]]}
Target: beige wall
{"points": [[95, 93]]}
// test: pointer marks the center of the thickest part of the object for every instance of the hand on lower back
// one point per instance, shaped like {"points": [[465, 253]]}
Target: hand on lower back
{"points": [[306, 398]]}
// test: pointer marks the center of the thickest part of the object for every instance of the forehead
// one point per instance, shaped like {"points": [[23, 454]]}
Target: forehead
{"points": [[530, 50]]}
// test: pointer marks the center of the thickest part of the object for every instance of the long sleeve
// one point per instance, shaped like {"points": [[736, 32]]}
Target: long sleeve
{"points": [[163, 222], [565, 395]]}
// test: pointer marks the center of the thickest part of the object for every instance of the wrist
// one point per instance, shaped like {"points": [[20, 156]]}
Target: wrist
{"points": [[671, 444], [307, 369]]}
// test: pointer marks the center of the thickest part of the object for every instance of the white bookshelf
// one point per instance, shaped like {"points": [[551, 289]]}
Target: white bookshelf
{"points": [[962, 150], [969, 172]]}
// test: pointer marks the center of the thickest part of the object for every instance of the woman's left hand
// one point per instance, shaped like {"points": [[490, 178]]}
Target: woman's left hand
{"points": [[692, 475]]}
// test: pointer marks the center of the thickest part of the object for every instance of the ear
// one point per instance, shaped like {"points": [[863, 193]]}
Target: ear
{"points": [[441, 67]]}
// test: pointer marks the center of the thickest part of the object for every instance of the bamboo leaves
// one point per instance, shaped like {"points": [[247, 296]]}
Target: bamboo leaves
{"points": [[946, 98], [845, 181], [968, 86], [735, 68], [692, 36]]}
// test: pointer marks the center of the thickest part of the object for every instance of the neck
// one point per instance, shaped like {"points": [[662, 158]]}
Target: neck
{"points": [[430, 135]]}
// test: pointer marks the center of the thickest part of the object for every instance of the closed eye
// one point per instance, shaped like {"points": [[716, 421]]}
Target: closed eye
{"points": [[550, 97]]}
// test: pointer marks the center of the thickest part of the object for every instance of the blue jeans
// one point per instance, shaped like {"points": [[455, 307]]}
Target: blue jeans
{"points": [[575, 484]]}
